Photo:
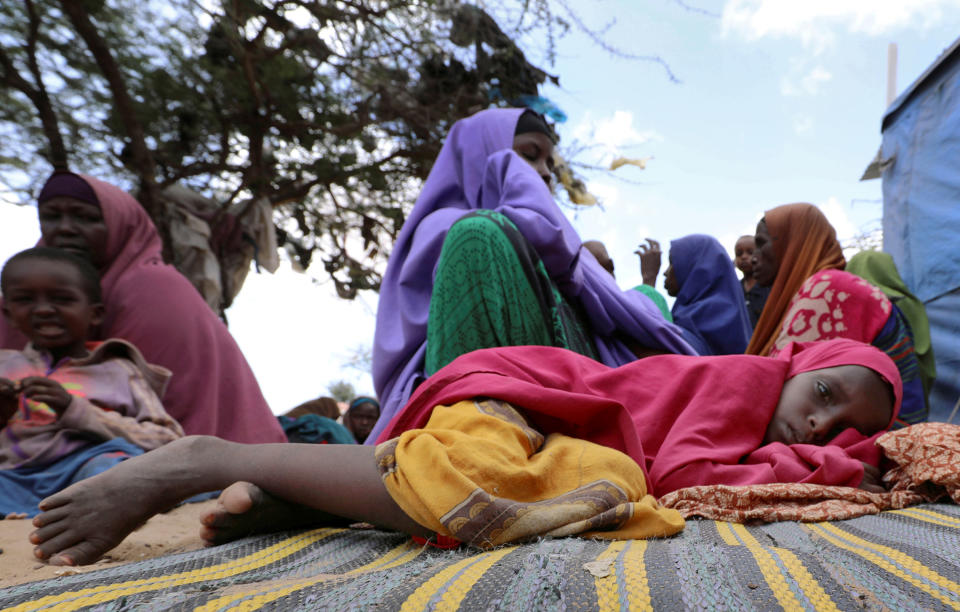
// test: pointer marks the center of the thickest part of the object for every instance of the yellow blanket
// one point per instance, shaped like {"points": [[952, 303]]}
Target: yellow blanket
{"points": [[479, 473]]}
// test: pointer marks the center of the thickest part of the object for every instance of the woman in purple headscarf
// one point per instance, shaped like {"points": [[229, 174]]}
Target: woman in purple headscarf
{"points": [[487, 258]]}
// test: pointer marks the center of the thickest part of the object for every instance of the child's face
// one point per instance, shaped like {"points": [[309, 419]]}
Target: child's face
{"points": [[743, 254], [361, 420], [46, 301], [815, 406]]}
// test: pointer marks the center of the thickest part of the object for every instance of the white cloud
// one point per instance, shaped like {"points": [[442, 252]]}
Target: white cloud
{"points": [[802, 124], [808, 84], [838, 217], [607, 193], [612, 134], [817, 22]]}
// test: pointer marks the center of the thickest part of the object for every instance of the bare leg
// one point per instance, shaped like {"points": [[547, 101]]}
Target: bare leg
{"points": [[245, 509], [82, 522]]}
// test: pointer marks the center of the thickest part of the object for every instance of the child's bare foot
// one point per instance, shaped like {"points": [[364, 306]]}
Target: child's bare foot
{"points": [[13, 516], [81, 523], [244, 509]]}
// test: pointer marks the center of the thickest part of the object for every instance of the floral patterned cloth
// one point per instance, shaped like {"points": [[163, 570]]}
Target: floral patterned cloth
{"points": [[927, 458], [834, 304]]}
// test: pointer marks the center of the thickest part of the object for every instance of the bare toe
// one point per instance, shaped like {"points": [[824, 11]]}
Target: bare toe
{"points": [[49, 546], [45, 534], [245, 509], [82, 553], [54, 501], [49, 518], [238, 498], [236, 514]]}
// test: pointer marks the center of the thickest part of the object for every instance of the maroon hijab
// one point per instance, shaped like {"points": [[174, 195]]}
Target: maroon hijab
{"points": [[148, 303]]}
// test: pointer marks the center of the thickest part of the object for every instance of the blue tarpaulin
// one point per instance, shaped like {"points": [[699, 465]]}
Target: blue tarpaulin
{"points": [[944, 314], [920, 155]]}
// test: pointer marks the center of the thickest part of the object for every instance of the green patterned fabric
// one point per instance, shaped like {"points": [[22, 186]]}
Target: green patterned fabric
{"points": [[491, 289], [898, 560], [658, 299]]}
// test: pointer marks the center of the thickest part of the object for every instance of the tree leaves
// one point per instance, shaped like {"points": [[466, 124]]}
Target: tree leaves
{"points": [[333, 111]]}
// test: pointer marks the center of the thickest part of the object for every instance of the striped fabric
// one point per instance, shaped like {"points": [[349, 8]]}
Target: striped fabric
{"points": [[897, 560]]}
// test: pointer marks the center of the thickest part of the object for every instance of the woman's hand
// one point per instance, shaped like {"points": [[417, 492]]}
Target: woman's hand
{"points": [[649, 261], [47, 391], [872, 479]]}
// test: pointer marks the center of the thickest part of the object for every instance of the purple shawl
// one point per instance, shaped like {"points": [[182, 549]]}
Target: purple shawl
{"points": [[710, 304], [477, 169]]}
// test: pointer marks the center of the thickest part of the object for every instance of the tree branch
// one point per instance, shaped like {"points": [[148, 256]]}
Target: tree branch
{"points": [[57, 152], [142, 158]]}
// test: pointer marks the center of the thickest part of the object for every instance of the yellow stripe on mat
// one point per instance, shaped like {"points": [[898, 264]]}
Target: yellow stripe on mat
{"points": [[865, 549], [257, 598], [74, 600], [638, 589], [726, 532], [395, 558], [774, 575], [929, 516], [471, 569]]}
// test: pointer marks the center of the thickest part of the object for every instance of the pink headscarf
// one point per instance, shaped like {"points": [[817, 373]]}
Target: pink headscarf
{"points": [[808, 356], [148, 303]]}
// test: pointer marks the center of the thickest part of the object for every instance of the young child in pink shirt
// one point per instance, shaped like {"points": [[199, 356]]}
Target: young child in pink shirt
{"points": [[68, 409]]}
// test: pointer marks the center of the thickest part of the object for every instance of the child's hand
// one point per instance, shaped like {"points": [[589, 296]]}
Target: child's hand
{"points": [[8, 388], [872, 479], [49, 392], [8, 399], [649, 261]]}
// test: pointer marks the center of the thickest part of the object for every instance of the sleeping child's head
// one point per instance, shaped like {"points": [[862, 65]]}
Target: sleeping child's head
{"points": [[53, 297], [833, 386]]}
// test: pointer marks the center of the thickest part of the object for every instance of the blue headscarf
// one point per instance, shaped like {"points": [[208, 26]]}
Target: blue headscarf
{"points": [[710, 304]]}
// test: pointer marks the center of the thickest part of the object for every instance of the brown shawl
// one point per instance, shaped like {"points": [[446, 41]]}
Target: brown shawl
{"points": [[804, 243]]}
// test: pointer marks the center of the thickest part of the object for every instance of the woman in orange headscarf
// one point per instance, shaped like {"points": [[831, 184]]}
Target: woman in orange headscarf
{"points": [[812, 298]]}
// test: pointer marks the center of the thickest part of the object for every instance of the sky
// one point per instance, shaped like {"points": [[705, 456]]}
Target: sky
{"points": [[773, 102]]}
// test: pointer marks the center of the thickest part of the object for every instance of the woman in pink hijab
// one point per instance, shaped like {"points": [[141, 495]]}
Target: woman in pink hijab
{"points": [[150, 304]]}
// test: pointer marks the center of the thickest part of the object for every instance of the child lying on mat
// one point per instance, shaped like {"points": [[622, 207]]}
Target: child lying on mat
{"points": [[68, 410], [568, 446]]}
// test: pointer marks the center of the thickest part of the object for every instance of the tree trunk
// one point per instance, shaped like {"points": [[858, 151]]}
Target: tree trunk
{"points": [[142, 159]]}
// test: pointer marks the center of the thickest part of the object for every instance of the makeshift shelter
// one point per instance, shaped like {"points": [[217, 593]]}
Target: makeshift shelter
{"points": [[919, 161]]}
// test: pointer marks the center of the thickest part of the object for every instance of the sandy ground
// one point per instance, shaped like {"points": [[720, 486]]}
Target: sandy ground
{"points": [[175, 531]]}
